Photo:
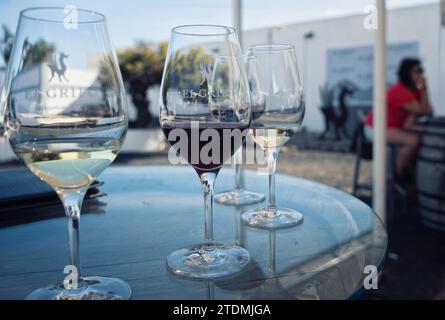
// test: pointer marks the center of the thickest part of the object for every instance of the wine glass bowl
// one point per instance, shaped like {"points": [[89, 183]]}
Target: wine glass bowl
{"points": [[66, 119], [205, 115], [277, 112]]}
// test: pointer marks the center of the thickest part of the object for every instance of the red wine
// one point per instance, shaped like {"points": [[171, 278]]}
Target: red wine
{"points": [[206, 150]]}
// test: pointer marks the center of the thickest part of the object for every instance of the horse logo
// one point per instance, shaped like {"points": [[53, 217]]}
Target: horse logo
{"points": [[206, 71], [58, 68]]}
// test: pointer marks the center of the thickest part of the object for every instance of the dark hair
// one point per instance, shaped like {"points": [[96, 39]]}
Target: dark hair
{"points": [[406, 67]]}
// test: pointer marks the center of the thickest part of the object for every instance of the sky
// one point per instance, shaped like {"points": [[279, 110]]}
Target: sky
{"points": [[151, 20]]}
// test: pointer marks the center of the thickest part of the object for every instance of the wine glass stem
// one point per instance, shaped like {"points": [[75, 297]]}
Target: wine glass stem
{"points": [[272, 156], [239, 241], [72, 203], [239, 178], [208, 181]]}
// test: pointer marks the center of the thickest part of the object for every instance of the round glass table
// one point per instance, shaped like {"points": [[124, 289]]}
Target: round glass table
{"points": [[150, 211]]}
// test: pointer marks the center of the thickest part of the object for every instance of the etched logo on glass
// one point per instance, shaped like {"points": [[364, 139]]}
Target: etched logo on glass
{"points": [[57, 66], [206, 71]]}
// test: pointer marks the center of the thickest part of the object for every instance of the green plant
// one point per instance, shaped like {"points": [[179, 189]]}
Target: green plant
{"points": [[142, 68], [6, 43]]}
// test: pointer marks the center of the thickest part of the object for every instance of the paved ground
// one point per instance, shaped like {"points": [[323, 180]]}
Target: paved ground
{"points": [[419, 271], [332, 168]]}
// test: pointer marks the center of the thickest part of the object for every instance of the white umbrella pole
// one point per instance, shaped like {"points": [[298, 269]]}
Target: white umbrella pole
{"points": [[442, 5], [379, 110], [441, 62], [237, 19]]}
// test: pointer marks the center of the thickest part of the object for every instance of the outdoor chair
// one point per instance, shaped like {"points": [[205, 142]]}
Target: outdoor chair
{"points": [[363, 150]]}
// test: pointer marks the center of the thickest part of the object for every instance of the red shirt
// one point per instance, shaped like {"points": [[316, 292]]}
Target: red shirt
{"points": [[397, 97]]}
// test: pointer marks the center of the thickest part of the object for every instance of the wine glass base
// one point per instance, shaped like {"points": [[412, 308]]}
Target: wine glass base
{"points": [[238, 197], [199, 262], [93, 288], [281, 218]]}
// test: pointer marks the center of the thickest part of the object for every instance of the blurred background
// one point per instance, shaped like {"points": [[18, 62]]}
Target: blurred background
{"points": [[335, 54], [332, 43]]}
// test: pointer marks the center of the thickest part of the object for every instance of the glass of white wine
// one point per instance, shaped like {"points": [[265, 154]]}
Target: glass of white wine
{"points": [[277, 112], [66, 118]]}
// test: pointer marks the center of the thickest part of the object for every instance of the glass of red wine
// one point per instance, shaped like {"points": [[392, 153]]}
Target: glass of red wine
{"points": [[205, 115]]}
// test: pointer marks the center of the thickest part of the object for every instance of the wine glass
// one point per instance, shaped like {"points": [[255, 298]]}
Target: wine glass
{"points": [[205, 115], [277, 113], [239, 196], [66, 119]]}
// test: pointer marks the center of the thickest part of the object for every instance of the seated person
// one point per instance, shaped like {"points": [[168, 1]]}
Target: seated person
{"points": [[406, 100]]}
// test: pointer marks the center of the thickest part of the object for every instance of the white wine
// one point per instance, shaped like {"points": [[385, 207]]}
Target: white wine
{"points": [[68, 163], [272, 129], [67, 152], [272, 137]]}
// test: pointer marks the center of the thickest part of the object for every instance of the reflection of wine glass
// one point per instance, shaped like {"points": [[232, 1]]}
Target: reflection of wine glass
{"points": [[271, 288], [66, 119], [210, 290], [277, 113], [205, 114], [252, 276]]}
